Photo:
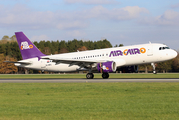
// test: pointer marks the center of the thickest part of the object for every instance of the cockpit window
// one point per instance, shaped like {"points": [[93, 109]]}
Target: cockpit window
{"points": [[163, 48]]}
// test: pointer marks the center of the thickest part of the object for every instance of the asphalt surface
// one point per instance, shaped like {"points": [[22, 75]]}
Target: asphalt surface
{"points": [[83, 80]]}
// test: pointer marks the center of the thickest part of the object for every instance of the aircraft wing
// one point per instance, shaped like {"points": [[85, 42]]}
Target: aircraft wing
{"points": [[79, 62], [20, 62], [82, 62]]}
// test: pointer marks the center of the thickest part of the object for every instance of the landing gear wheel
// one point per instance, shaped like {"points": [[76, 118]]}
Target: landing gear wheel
{"points": [[89, 75], [154, 72], [105, 75]]}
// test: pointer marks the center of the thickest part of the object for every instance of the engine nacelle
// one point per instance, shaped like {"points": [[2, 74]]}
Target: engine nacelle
{"points": [[106, 67]]}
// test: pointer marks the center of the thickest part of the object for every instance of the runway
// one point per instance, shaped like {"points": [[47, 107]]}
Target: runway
{"points": [[83, 80]]}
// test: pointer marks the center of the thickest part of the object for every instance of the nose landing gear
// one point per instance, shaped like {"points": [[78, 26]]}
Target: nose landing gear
{"points": [[154, 71]]}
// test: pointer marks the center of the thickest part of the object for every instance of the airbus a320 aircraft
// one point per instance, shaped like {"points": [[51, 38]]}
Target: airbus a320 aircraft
{"points": [[104, 60]]}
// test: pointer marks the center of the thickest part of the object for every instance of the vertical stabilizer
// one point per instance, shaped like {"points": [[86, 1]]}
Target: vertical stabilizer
{"points": [[27, 48]]}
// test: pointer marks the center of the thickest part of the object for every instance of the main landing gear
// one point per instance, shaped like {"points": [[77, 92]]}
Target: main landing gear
{"points": [[105, 75], [91, 75]]}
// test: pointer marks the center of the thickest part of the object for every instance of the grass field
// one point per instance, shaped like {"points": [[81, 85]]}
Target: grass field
{"points": [[89, 101], [112, 75]]}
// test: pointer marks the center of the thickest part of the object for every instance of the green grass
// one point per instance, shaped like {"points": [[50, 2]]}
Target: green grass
{"points": [[89, 101], [98, 75]]}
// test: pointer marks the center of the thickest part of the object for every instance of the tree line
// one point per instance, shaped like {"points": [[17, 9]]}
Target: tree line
{"points": [[9, 51]]}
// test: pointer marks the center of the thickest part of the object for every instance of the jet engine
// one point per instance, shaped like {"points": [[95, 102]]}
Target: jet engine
{"points": [[106, 67]]}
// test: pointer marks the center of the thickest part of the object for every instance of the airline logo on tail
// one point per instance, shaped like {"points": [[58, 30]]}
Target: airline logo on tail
{"points": [[25, 45]]}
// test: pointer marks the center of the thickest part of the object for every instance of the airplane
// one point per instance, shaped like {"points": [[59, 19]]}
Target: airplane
{"points": [[105, 61]]}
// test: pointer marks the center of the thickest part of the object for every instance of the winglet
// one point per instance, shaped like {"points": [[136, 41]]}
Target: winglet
{"points": [[27, 48]]}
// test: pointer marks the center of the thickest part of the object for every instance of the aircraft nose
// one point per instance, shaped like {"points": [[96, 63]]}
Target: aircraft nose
{"points": [[174, 54]]}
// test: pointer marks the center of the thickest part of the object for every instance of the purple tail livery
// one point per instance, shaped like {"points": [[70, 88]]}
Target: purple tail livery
{"points": [[27, 48]]}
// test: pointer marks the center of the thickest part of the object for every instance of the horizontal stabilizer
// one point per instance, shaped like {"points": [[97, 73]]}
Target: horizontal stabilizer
{"points": [[20, 62]]}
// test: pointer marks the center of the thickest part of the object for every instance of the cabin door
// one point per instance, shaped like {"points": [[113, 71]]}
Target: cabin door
{"points": [[43, 64], [150, 50]]}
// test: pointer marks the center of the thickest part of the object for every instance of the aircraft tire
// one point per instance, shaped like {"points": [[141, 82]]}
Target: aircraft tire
{"points": [[105, 75], [154, 72], [89, 75]]}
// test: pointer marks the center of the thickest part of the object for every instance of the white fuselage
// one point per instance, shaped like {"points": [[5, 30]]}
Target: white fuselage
{"points": [[123, 56]]}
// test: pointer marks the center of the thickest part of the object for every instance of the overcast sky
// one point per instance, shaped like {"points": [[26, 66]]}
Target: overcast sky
{"points": [[125, 22]]}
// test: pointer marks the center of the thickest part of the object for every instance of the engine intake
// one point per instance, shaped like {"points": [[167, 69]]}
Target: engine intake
{"points": [[106, 67]]}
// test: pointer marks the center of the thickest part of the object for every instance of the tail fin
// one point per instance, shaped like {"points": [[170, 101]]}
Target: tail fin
{"points": [[27, 48]]}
